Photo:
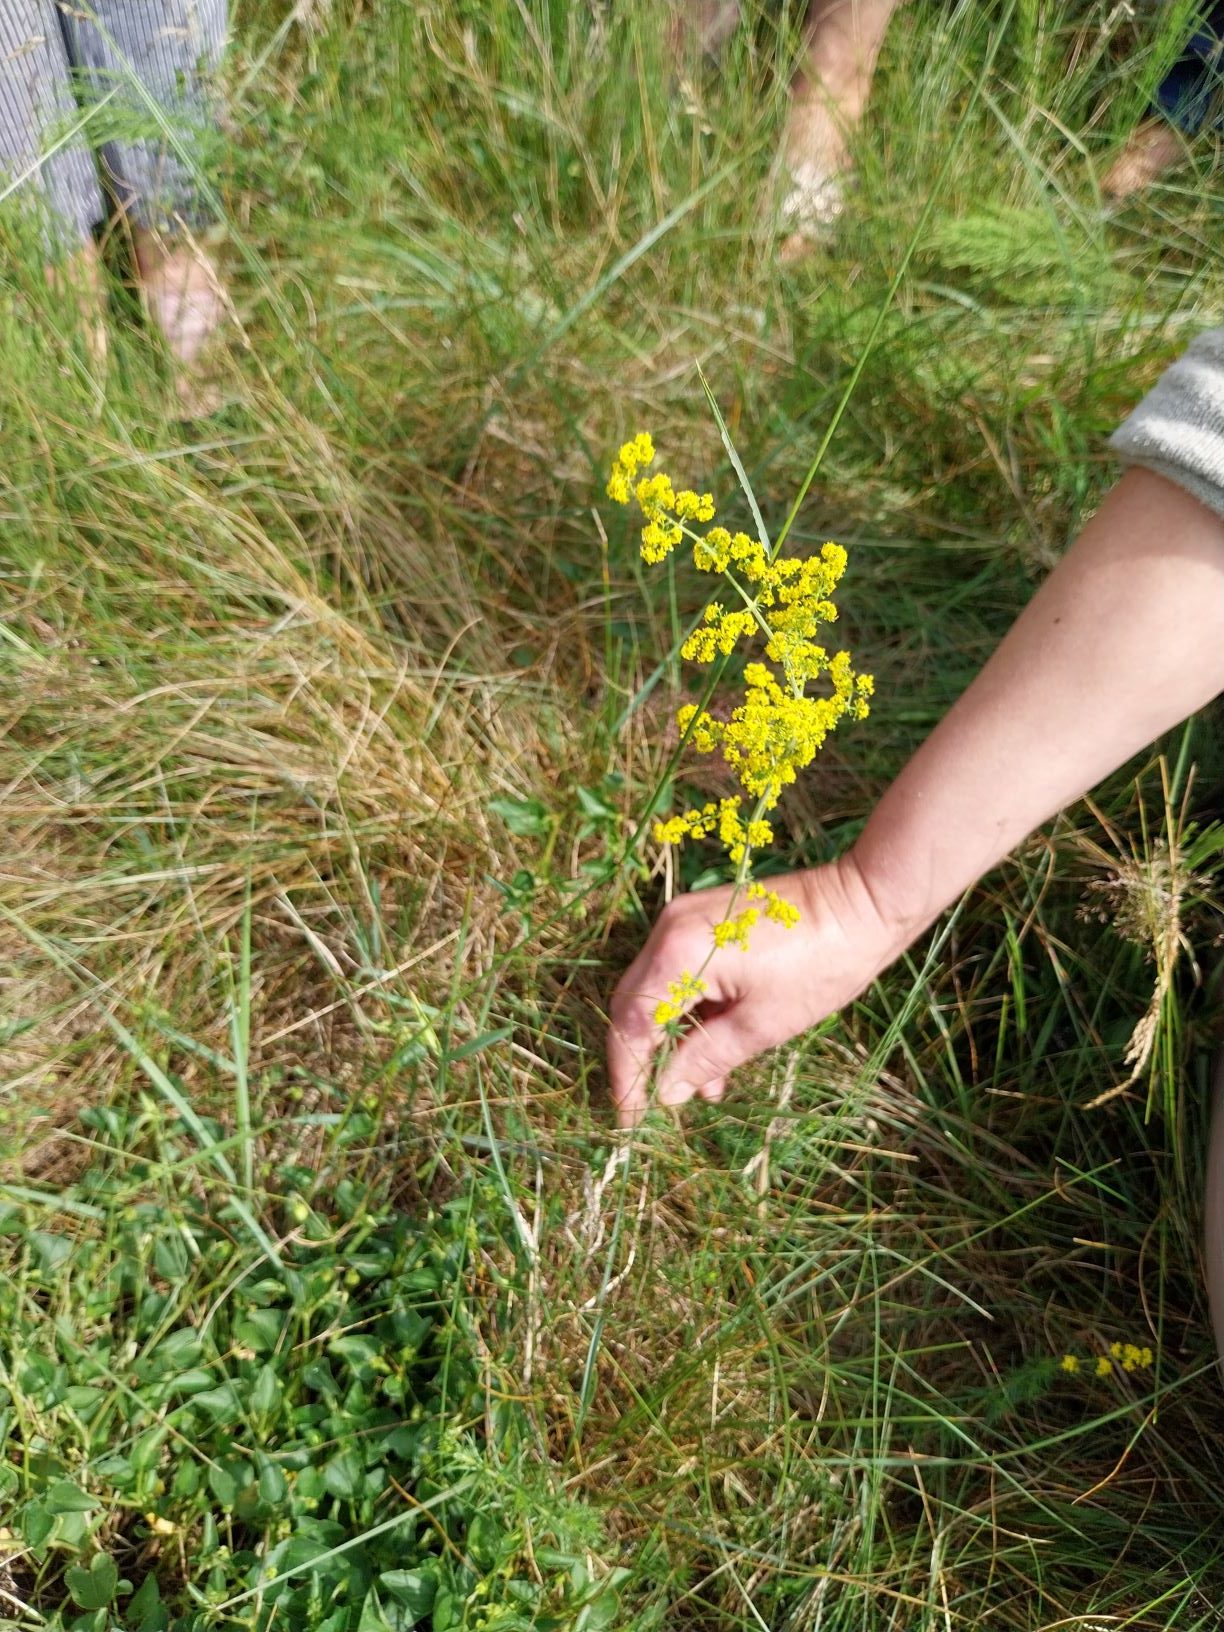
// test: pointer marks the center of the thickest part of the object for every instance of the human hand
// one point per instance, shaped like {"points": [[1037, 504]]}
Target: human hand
{"points": [[787, 981]]}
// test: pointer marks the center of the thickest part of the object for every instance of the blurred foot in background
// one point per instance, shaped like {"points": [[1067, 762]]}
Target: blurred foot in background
{"points": [[58, 63], [1189, 98], [828, 98]]}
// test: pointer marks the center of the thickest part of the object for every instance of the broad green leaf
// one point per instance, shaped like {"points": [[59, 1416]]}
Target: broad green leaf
{"points": [[95, 1587], [145, 1453], [222, 1404], [356, 1350], [414, 1589], [447, 1611], [267, 1394], [36, 1524], [65, 1497], [49, 1249], [261, 1330], [181, 1347], [193, 1381], [144, 1609], [223, 1485], [526, 818], [342, 1475], [83, 1397], [273, 1486]]}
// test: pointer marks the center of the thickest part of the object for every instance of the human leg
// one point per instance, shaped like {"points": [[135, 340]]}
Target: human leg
{"points": [[828, 97], [154, 59], [37, 116], [42, 150], [1188, 98]]}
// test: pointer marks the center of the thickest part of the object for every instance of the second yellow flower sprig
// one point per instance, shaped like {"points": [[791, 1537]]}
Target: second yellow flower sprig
{"points": [[780, 726], [1128, 1356]]}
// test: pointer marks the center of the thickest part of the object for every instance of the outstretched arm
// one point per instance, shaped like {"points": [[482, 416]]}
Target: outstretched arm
{"points": [[1123, 640]]}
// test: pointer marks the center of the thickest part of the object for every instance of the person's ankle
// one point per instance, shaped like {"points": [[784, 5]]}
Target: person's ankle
{"points": [[81, 281]]}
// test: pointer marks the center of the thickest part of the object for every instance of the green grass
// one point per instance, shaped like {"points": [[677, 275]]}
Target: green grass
{"points": [[329, 1299]]}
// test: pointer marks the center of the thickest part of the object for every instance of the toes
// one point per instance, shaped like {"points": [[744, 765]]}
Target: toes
{"points": [[814, 200], [811, 209]]}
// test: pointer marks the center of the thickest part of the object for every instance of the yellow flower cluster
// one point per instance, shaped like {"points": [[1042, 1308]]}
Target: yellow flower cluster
{"points": [[778, 910], [734, 931], [775, 733], [1130, 1356], [722, 630], [722, 818], [779, 728], [679, 992], [665, 510], [632, 456]]}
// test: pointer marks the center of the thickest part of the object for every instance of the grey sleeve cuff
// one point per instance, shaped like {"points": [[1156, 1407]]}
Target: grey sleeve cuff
{"points": [[1178, 428]]}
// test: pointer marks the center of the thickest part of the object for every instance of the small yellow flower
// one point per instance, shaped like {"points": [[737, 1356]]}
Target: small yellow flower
{"points": [[1129, 1356], [692, 506], [1133, 1357], [781, 912], [659, 538], [680, 994], [632, 456], [655, 493], [713, 552], [735, 931], [671, 831]]}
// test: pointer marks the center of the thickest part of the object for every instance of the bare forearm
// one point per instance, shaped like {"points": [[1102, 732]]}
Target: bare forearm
{"points": [[1123, 640]]}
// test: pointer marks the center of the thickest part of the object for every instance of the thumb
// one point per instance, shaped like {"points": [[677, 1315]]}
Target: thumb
{"points": [[707, 1056]]}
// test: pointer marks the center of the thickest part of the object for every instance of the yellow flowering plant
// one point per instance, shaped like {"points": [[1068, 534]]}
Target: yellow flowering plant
{"points": [[796, 691], [1126, 1356]]}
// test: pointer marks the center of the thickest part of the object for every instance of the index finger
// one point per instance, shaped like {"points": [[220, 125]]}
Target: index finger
{"points": [[678, 942], [633, 1041]]}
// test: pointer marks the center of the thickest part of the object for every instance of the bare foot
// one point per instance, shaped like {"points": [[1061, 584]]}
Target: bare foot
{"points": [[183, 293], [1154, 148], [813, 204], [817, 158], [81, 281], [828, 98]]}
